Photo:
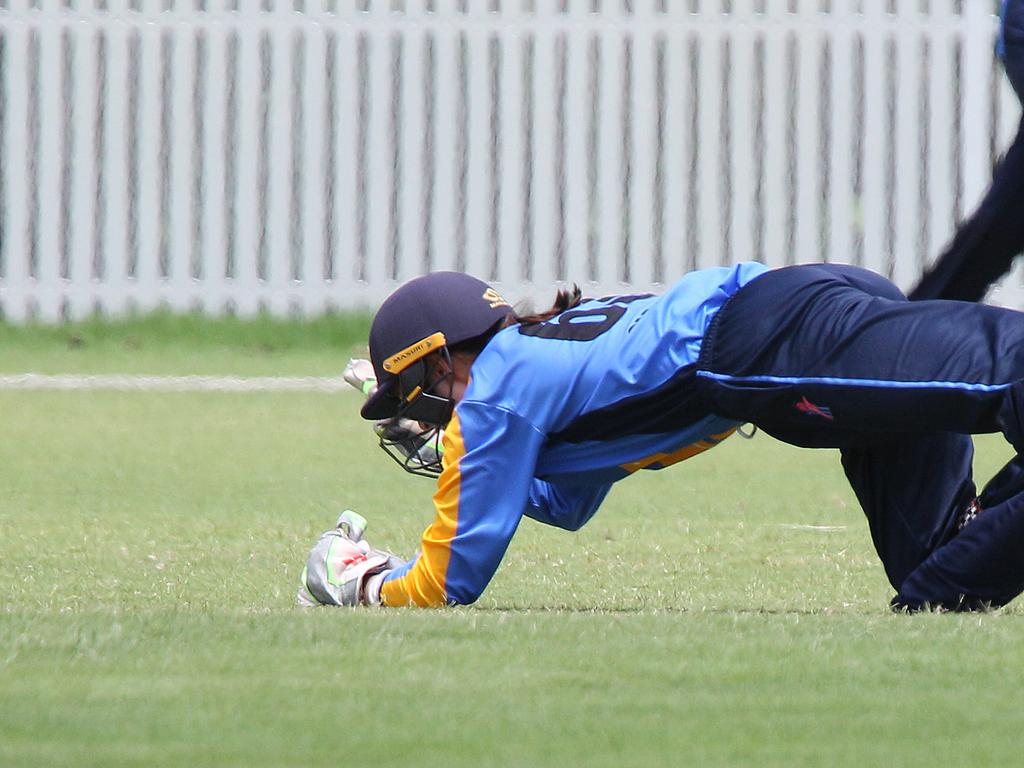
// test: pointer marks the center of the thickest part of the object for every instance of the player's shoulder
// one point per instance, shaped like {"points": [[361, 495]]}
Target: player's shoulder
{"points": [[725, 279], [514, 374]]}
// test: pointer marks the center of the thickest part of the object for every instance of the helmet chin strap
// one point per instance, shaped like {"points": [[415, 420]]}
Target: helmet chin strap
{"points": [[420, 401], [429, 409]]}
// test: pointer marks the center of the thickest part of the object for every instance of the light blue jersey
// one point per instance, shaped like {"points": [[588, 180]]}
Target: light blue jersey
{"points": [[554, 414]]}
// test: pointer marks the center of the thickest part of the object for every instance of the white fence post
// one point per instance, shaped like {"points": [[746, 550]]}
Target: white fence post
{"points": [[301, 155], [80, 202], [46, 152], [15, 291], [211, 220]]}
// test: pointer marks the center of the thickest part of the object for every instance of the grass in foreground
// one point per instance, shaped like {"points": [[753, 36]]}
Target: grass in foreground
{"points": [[151, 545]]}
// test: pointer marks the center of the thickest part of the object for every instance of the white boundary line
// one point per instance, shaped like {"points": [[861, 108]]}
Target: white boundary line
{"points": [[130, 383]]}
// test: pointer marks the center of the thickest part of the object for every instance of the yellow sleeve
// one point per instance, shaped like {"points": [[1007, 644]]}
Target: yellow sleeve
{"points": [[422, 582]]}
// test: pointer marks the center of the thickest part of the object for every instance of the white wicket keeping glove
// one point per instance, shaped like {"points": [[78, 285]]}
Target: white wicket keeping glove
{"points": [[359, 374], [343, 569]]}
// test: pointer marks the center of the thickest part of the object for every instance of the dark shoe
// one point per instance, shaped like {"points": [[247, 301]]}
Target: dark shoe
{"points": [[964, 605]]}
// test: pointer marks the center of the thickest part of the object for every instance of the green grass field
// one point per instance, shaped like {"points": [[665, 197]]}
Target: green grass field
{"points": [[150, 546]]}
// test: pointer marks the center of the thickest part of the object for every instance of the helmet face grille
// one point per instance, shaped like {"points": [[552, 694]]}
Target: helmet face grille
{"points": [[413, 436], [417, 451]]}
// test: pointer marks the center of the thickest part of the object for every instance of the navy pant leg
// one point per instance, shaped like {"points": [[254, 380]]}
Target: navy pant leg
{"points": [[833, 356], [1008, 482], [981, 566], [986, 243], [913, 491]]}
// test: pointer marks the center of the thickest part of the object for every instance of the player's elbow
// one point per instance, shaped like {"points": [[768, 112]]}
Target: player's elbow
{"points": [[466, 587], [464, 596]]}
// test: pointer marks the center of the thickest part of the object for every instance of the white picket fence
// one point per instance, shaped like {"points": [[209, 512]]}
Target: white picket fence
{"points": [[306, 155]]}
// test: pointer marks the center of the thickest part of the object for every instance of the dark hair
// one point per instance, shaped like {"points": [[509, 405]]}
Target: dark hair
{"points": [[564, 300]]}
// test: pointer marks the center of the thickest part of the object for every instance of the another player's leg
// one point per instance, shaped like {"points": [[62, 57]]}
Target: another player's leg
{"points": [[1011, 43], [985, 245]]}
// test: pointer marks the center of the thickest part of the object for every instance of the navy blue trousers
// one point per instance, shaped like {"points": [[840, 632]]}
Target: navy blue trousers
{"points": [[836, 356]]}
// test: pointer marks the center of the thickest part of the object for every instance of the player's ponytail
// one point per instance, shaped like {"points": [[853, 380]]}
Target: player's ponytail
{"points": [[564, 300]]}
